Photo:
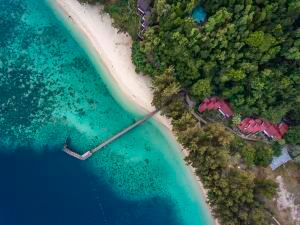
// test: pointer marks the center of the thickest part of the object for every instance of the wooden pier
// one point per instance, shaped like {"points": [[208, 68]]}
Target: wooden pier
{"points": [[89, 153]]}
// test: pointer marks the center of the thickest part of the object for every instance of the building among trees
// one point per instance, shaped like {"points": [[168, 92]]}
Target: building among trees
{"points": [[253, 126], [144, 10], [215, 103]]}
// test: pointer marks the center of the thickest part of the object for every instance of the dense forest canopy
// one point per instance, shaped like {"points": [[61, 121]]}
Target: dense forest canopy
{"points": [[247, 52]]}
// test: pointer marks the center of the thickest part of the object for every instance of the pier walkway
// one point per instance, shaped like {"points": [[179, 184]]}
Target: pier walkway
{"points": [[90, 152]]}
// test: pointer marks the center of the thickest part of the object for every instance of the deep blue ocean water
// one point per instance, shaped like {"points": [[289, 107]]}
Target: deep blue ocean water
{"points": [[50, 90]]}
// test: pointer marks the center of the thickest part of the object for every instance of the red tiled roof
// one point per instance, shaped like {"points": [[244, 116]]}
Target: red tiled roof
{"points": [[217, 104], [272, 131], [210, 105], [256, 128], [245, 121], [283, 127], [203, 105], [247, 125], [259, 121], [252, 126], [224, 107]]}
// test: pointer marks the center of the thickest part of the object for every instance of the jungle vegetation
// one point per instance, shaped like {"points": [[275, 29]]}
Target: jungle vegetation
{"points": [[247, 52]]}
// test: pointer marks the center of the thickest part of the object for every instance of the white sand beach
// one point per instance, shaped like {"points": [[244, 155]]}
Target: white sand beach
{"points": [[114, 50]]}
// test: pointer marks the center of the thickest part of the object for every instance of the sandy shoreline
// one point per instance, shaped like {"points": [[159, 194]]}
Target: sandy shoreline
{"points": [[114, 50]]}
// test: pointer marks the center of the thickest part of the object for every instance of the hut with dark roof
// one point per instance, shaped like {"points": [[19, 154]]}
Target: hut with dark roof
{"points": [[143, 6], [144, 11]]}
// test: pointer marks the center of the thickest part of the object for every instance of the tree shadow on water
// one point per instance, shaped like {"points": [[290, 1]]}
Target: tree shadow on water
{"points": [[51, 188]]}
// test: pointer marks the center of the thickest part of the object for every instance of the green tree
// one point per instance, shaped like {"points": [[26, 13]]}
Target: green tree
{"points": [[276, 146], [165, 88], [236, 119], [184, 122], [263, 156], [252, 62], [293, 135], [266, 188], [202, 88], [248, 154], [261, 40]]}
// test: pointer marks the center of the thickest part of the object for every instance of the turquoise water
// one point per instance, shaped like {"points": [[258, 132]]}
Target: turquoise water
{"points": [[199, 14], [50, 90]]}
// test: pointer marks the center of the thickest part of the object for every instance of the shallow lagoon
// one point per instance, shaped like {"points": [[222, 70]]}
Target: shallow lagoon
{"points": [[49, 90]]}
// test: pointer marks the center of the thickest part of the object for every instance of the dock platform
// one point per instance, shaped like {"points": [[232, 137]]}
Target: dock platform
{"points": [[90, 152]]}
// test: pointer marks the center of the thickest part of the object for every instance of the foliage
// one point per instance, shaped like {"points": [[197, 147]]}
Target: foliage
{"points": [[266, 188], [201, 89], [263, 156], [295, 151], [258, 154], [165, 87], [248, 153], [293, 135], [232, 192], [138, 58], [123, 13], [183, 122], [236, 119], [293, 116], [263, 42], [247, 52], [276, 147]]}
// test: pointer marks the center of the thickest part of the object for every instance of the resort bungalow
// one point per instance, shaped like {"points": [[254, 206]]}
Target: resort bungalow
{"points": [[145, 21], [214, 103], [144, 11], [253, 126], [143, 6]]}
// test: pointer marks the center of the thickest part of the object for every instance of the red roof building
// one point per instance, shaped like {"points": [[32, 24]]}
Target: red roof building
{"points": [[214, 103], [253, 126], [283, 128]]}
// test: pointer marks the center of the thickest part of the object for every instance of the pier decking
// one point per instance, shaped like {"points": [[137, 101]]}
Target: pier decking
{"points": [[90, 152]]}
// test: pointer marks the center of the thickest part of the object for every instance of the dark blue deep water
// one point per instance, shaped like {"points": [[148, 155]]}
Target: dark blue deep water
{"points": [[51, 188], [50, 90]]}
